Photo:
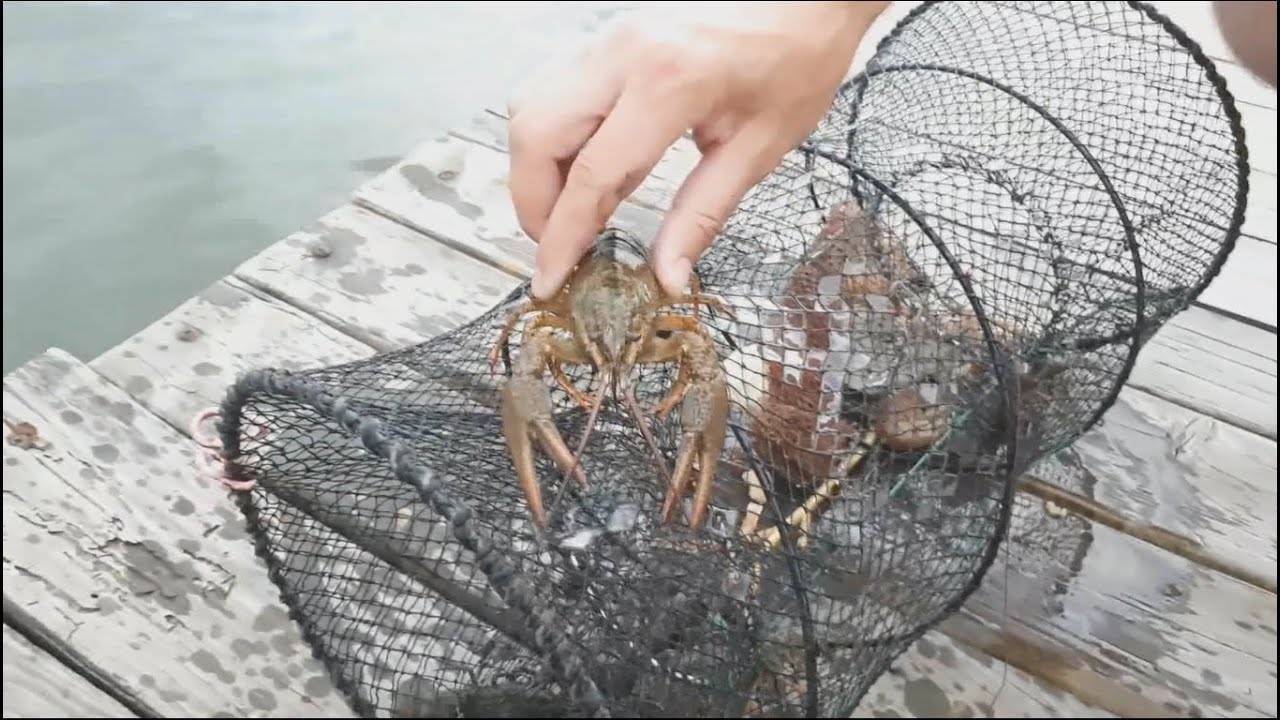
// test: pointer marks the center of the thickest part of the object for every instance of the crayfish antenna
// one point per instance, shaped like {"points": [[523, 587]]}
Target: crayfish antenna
{"points": [[634, 408], [597, 401]]}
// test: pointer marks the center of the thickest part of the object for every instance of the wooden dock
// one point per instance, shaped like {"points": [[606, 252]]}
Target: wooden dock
{"points": [[131, 589]]}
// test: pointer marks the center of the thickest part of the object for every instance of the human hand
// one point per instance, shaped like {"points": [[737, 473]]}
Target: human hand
{"points": [[1250, 32], [750, 80]]}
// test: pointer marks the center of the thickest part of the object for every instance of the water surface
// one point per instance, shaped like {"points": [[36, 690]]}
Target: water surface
{"points": [[150, 148]]}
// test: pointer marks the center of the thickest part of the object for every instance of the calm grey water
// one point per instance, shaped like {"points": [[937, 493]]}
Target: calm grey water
{"points": [[149, 148]]}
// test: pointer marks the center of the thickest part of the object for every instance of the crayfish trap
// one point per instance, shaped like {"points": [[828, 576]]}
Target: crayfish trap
{"points": [[949, 280]]}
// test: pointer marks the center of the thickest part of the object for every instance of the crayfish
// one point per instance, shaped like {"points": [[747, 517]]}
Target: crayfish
{"points": [[611, 314]]}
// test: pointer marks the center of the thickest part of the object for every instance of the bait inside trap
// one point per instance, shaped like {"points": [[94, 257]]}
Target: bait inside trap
{"points": [[949, 281]]}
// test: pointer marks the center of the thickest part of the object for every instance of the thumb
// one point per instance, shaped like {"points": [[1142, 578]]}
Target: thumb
{"points": [[700, 209]]}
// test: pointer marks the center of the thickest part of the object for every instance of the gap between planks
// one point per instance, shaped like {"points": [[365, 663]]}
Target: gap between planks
{"points": [[43, 679], [1179, 545]]}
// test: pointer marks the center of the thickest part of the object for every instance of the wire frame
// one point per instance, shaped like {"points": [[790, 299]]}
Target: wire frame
{"points": [[948, 282]]}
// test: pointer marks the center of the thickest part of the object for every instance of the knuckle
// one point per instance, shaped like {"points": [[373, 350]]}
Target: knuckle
{"points": [[667, 70], [591, 174], [665, 56], [705, 226], [530, 225]]}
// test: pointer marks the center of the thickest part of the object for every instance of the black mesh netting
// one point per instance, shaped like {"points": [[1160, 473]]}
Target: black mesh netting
{"points": [[948, 281]]}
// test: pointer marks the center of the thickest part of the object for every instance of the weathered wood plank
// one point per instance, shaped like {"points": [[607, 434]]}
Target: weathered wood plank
{"points": [[1098, 613], [1095, 612], [1260, 136], [228, 321], [1155, 461], [1215, 365], [1247, 283], [1260, 211], [928, 682], [184, 362], [1168, 466], [113, 545], [1125, 615], [376, 279], [392, 314], [36, 685], [227, 330], [446, 190], [1084, 677]]}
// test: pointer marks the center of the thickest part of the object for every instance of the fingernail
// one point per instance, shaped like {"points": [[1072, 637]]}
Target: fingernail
{"points": [[541, 285], [677, 275]]}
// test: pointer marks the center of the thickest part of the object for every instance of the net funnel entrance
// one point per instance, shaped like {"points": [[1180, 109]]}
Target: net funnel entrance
{"points": [[947, 282]]}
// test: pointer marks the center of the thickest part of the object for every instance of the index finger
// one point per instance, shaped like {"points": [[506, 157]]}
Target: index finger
{"points": [[629, 143], [546, 130]]}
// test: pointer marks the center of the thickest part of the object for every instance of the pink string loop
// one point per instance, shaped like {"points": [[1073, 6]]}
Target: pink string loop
{"points": [[210, 464]]}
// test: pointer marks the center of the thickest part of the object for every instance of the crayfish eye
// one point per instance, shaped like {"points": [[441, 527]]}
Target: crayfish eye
{"points": [[663, 334]]}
